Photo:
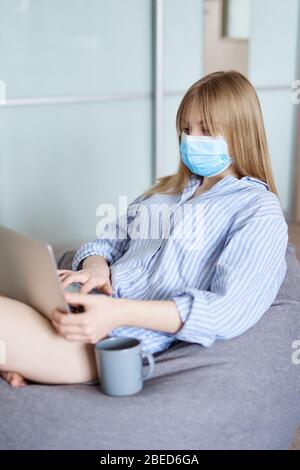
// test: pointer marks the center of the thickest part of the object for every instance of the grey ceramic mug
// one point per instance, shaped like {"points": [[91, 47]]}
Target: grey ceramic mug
{"points": [[120, 365]]}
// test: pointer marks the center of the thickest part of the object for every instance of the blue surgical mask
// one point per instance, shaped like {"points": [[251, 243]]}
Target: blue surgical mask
{"points": [[205, 155]]}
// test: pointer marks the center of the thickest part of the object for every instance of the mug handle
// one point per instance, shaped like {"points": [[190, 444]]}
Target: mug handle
{"points": [[151, 361]]}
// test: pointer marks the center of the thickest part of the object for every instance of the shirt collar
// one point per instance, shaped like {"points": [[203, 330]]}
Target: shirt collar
{"points": [[256, 181], [191, 186], [195, 180]]}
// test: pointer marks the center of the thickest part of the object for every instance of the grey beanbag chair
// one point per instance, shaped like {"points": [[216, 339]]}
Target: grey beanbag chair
{"points": [[237, 394]]}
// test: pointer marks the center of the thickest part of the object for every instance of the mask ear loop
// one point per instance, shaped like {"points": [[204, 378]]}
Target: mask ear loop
{"points": [[183, 136]]}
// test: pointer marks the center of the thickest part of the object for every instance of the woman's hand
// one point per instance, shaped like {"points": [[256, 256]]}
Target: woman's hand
{"points": [[101, 315], [95, 274]]}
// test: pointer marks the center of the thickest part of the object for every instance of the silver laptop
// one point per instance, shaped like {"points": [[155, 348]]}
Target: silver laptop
{"points": [[28, 273]]}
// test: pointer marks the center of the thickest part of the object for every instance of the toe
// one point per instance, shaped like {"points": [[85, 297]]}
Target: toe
{"points": [[14, 379]]}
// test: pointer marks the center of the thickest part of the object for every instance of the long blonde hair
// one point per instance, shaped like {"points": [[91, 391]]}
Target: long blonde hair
{"points": [[228, 105]]}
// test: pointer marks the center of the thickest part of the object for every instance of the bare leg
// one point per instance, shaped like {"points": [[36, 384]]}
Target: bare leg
{"points": [[11, 377], [35, 351]]}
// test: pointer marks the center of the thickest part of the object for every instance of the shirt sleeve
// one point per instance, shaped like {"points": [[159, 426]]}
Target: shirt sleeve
{"points": [[246, 280], [114, 246]]}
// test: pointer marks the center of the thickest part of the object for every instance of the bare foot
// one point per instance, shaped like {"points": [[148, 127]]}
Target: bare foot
{"points": [[13, 378]]}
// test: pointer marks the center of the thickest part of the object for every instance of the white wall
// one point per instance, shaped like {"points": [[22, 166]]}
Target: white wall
{"points": [[273, 53], [59, 160]]}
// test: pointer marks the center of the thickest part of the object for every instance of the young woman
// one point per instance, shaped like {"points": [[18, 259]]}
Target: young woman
{"points": [[215, 284]]}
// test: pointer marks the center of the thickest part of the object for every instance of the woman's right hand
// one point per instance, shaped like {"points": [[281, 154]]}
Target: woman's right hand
{"points": [[95, 274]]}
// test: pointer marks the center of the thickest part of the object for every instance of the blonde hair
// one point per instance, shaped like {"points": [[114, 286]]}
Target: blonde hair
{"points": [[227, 104]]}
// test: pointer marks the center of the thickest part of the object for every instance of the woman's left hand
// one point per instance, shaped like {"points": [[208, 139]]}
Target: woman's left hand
{"points": [[100, 316]]}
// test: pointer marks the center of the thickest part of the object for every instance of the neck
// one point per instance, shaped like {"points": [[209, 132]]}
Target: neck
{"points": [[211, 181]]}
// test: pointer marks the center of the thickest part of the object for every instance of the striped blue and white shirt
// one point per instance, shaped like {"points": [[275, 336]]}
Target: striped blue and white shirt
{"points": [[223, 280]]}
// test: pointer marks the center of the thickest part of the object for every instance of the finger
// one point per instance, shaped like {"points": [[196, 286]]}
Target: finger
{"points": [[68, 278], [68, 329], [62, 271], [88, 286], [81, 299], [71, 319], [63, 276], [107, 288], [56, 316], [75, 277]]}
